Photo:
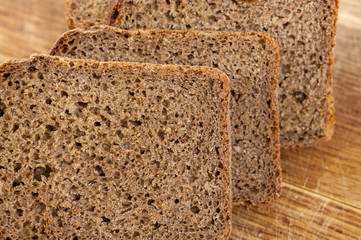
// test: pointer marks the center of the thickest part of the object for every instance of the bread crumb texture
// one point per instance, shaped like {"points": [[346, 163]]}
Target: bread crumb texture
{"points": [[305, 31], [87, 13], [95, 150], [251, 62]]}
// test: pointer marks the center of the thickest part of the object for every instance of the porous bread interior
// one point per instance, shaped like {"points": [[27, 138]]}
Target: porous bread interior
{"points": [[251, 63], [304, 29], [87, 13], [108, 150]]}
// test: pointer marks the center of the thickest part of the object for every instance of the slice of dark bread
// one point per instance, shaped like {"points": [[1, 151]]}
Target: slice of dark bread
{"points": [[304, 29], [251, 62], [95, 150], [87, 13]]}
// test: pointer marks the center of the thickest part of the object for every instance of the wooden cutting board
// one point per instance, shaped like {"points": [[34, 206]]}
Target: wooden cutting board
{"points": [[321, 196]]}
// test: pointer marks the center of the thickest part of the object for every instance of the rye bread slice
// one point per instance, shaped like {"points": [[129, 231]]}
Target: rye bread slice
{"points": [[251, 62], [95, 150], [305, 31]]}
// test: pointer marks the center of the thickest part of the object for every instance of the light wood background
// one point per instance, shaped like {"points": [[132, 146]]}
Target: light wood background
{"points": [[321, 196]]}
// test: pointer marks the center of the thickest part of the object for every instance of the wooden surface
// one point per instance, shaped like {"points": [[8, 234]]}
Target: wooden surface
{"points": [[321, 196]]}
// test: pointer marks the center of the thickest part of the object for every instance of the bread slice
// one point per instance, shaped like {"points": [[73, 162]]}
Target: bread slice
{"points": [[113, 151], [251, 62], [305, 31], [87, 13]]}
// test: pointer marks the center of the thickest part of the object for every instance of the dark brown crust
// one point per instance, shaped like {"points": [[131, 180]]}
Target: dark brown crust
{"points": [[114, 12], [225, 94], [227, 135], [331, 110], [274, 104], [63, 38]]}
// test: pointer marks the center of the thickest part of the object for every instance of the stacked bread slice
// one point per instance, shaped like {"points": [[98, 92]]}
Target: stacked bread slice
{"points": [[94, 150], [154, 134], [304, 30], [125, 150], [249, 60]]}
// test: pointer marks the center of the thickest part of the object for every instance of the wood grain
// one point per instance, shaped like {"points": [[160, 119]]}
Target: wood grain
{"points": [[29, 26], [298, 214], [321, 198]]}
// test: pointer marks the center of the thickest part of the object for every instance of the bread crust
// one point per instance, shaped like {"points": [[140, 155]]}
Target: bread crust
{"points": [[113, 12], [227, 135]]}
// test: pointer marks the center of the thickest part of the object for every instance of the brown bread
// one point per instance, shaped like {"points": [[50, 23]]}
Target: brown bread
{"points": [[250, 61], [304, 29], [95, 150]]}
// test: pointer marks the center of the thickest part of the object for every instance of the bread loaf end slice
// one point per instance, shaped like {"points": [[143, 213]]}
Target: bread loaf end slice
{"points": [[96, 150]]}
